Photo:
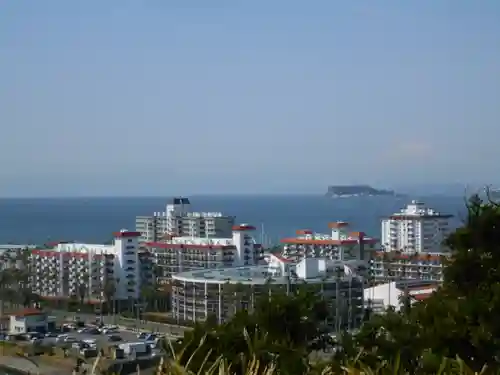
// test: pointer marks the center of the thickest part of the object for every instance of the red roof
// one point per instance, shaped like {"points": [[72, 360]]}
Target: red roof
{"points": [[338, 224], [187, 246], [303, 231], [421, 296], [305, 241], [29, 312], [242, 227], [127, 234], [401, 256]]}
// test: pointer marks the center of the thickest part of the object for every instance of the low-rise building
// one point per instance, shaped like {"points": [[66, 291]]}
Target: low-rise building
{"points": [[341, 244], [394, 265], [78, 269], [180, 254], [381, 297], [28, 320], [196, 295]]}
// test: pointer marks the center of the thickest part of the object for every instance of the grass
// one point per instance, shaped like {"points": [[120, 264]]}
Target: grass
{"points": [[182, 363]]}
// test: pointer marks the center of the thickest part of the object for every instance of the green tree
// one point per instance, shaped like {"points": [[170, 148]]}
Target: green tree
{"points": [[460, 319], [81, 293], [280, 329]]}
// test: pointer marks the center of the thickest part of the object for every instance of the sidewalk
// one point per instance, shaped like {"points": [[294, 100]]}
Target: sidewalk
{"points": [[24, 365]]}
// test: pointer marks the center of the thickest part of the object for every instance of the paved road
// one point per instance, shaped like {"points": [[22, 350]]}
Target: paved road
{"points": [[22, 364]]}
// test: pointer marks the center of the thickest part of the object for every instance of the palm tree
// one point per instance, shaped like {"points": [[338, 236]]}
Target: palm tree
{"points": [[109, 294], [5, 283], [82, 292]]}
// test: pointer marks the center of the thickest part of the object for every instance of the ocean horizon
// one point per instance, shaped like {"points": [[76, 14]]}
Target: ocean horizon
{"points": [[94, 219]]}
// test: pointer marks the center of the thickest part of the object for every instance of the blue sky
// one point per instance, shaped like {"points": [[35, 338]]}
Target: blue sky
{"points": [[171, 97]]}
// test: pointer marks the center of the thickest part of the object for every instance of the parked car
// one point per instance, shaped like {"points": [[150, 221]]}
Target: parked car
{"points": [[114, 338]]}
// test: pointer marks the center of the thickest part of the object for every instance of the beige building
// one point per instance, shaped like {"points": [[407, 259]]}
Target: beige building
{"points": [[179, 220]]}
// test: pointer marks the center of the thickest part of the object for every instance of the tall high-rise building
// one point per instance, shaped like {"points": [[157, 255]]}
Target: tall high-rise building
{"points": [[416, 229], [178, 220]]}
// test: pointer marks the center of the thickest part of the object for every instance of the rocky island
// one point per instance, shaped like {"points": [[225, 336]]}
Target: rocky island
{"points": [[345, 191]]}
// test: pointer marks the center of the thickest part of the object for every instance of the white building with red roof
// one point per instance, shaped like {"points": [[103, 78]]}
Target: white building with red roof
{"points": [[28, 320], [70, 269], [381, 297], [340, 244], [180, 254]]}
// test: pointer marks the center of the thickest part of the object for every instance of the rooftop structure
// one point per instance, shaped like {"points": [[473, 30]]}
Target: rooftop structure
{"points": [[179, 220], [340, 244], [179, 254], [198, 294], [416, 228], [69, 268]]}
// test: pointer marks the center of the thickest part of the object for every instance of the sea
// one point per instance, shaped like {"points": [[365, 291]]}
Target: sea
{"points": [[93, 220]]}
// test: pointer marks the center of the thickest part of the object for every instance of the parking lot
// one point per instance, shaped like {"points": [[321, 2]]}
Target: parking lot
{"points": [[101, 339], [129, 324]]}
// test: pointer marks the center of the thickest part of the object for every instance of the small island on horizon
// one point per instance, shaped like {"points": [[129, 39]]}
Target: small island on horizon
{"points": [[346, 191]]}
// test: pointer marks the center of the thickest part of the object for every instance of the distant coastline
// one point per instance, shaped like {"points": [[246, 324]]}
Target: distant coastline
{"points": [[348, 191]]}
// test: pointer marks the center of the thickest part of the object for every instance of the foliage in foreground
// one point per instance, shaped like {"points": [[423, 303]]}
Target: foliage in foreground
{"points": [[459, 321]]}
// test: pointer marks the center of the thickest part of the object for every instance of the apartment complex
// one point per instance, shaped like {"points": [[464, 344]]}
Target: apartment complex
{"points": [[69, 268], [180, 254], [211, 292], [416, 229], [398, 266], [412, 245], [179, 220], [340, 244]]}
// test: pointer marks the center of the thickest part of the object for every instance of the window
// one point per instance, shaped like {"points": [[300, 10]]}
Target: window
{"points": [[129, 240], [131, 247]]}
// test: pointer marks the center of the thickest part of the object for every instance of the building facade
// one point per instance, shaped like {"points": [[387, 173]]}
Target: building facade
{"points": [[393, 294], [416, 229], [28, 320], [72, 269], [341, 244], [178, 220], [180, 254], [196, 295], [393, 266]]}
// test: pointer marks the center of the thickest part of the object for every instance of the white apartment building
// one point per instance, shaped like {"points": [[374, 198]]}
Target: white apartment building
{"points": [[179, 220], [340, 244], [181, 254], [196, 295], [70, 267], [416, 229]]}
